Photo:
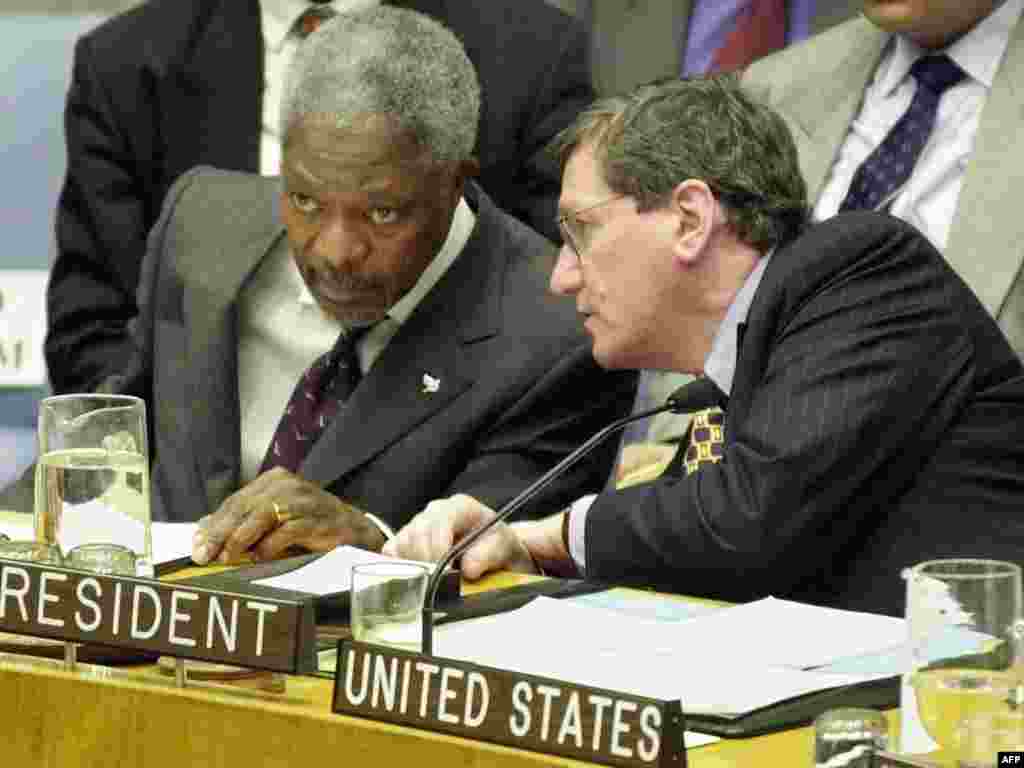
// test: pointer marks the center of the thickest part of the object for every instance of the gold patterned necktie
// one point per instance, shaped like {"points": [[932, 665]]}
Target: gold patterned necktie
{"points": [[707, 435]]}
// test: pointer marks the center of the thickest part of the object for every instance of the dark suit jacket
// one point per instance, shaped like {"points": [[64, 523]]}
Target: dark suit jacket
{"points": [[875, 422], [178, 83], [519, 388]]}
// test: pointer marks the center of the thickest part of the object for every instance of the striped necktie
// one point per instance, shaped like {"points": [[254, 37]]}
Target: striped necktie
{"points": [[316, 399]]}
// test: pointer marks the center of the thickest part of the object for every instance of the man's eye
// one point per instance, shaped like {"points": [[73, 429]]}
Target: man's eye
{"points": [[303, 203], [384, 215]]}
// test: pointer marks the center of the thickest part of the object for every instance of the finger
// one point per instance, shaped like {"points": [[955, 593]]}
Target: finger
{"points": [[274, 544], [412, 542], [214, 529], [254, 522], [202, 549], [439, 539], [491, 553]]}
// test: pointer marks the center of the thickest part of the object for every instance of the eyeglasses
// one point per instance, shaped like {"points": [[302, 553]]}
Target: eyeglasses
{"points": [[573, 230]]}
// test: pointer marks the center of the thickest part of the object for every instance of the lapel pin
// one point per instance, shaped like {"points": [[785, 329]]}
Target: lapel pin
{"points": [[430, 384]]}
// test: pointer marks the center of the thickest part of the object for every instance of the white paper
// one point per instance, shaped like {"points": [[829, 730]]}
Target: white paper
{"points": [[18, 531], [172, 541], [605, 649], [96, 522], [330, 573], [691, 739], [788, 634]]}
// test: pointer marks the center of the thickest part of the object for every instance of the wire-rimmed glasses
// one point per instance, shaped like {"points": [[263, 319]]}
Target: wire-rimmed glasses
{"points": [[572, 229]]}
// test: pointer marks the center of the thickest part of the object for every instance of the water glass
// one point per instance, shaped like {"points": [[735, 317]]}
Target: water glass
{"points": [[30, 552], [964, 621], [848, 737], [104, 559], [387, 603], [92, 475]]}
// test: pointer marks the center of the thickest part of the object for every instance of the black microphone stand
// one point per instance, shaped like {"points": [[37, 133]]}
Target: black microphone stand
{"points": [[701, 393]]}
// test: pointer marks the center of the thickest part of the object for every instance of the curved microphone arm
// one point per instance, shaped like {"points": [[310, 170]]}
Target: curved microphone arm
{"points": [[698, 394]]}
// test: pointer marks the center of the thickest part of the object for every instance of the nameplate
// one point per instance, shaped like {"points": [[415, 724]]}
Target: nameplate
{"points": [[511, 708], [22, 327], [143, 614]]}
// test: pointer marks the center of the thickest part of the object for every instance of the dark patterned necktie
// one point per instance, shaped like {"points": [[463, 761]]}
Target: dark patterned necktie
{"points": [[327, 383], [889, 166]]}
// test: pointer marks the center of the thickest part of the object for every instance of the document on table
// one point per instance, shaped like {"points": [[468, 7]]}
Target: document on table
{"points": [[783, 633], [662, 660], [18, 529], [172, 541], [328, 574]]}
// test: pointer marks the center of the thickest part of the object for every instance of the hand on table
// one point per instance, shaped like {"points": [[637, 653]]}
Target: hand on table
{"points": [[444, 522], [276, 511]]}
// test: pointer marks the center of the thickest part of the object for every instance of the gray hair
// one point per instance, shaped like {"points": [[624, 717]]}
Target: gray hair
{"points": [[387, 61], [709, 129]]}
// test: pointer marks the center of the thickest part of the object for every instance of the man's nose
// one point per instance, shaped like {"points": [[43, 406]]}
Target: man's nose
{"points": [[567, 276], [341, 243]]}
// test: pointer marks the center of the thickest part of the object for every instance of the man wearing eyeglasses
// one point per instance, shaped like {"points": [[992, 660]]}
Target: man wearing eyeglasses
{"points": [[874, 409]]}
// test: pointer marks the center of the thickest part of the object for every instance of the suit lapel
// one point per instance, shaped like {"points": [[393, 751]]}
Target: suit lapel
{"points": [[214, 99], [210, 306], [395, 397], [821, 112], [984, 240]]}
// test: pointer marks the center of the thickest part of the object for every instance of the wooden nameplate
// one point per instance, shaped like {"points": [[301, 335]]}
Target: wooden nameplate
{"points": [[519, 710], [263, 629]]}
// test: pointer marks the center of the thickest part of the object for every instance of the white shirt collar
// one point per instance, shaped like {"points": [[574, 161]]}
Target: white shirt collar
{"points": [[720, 365], [279, 16], [977, 53], [459, 232]]}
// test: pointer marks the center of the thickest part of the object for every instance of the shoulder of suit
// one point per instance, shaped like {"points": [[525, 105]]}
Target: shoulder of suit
{"points": [[226, 195], [528, 259], [848, 238], [161, 29], [819, 54]]}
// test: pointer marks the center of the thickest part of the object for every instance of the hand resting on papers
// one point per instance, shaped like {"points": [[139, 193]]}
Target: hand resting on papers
{"points": [[444, 522], [276, 511]]}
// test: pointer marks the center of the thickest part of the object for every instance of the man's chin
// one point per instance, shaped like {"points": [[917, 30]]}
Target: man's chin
{"points": [[351, 315]]}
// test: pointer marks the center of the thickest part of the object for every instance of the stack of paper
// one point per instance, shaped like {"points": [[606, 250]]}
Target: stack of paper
{"points": [[726, 663]]}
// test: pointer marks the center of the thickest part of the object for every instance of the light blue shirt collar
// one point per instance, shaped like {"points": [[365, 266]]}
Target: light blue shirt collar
{"points": [[720, 365]]}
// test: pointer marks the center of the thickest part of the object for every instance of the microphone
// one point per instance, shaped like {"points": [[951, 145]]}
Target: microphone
{"points": [[698, 394]]}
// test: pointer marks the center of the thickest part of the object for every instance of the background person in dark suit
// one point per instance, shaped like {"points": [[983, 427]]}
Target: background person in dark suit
{"points": [[874, 408], [176, 83], [373, 280]]}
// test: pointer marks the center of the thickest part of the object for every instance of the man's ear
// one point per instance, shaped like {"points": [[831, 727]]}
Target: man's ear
{"points": [[695, 207], [464, 170]]}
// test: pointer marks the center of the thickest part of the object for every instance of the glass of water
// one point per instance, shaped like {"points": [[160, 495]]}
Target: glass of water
{"points": [[92, 475], [964, 620], [387, 603]]}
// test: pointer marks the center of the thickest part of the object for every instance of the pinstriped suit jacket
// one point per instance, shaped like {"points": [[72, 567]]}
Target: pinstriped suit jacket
{"points": [[875, 421]]}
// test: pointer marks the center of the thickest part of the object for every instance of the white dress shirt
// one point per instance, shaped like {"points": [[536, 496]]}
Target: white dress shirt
{"points": [[928, 199], [719, 366], [282, 330], [280, 38]]}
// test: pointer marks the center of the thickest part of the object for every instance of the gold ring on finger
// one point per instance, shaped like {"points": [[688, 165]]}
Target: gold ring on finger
{"points": [[281, 516]]}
